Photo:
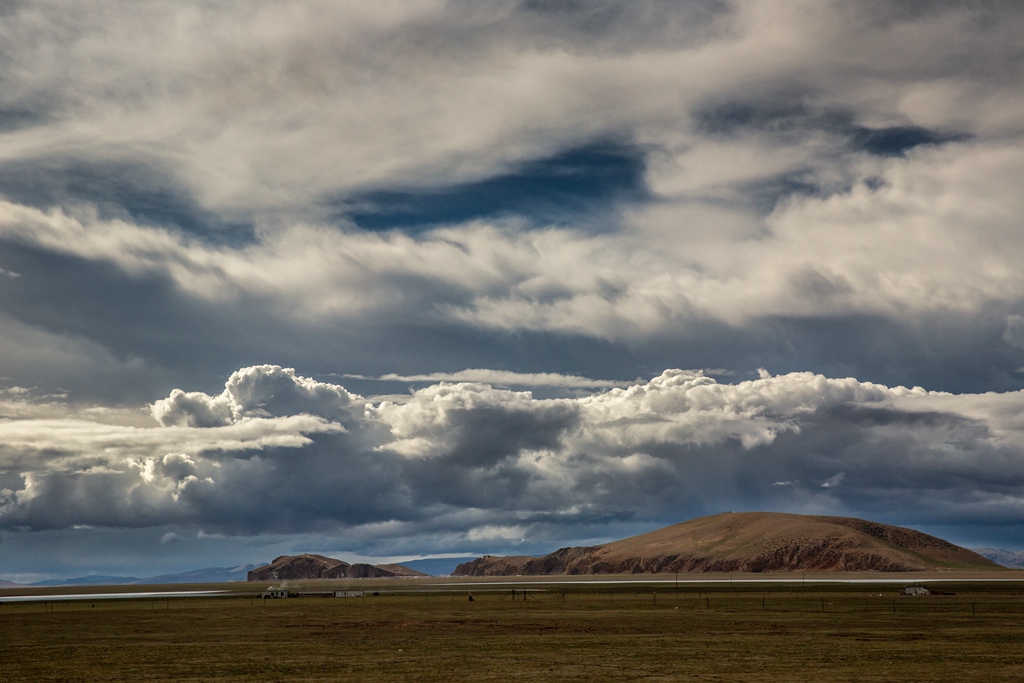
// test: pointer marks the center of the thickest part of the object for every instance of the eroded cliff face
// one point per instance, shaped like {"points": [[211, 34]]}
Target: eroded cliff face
{"points": [[895, 535], [293, 567], [748, 542]]}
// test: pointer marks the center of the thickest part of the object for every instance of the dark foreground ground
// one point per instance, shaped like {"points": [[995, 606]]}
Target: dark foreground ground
{"points": [[587, 633]]}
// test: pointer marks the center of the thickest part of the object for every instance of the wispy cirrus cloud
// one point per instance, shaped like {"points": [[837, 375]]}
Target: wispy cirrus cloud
{"points": [[503, 378]]}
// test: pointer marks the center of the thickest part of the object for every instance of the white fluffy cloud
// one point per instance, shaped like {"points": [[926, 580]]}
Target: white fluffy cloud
{"points": [[459, 457], [259, 391]]}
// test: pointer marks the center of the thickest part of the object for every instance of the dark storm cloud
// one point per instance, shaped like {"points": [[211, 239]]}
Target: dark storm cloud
{"points": [[961, 353]]}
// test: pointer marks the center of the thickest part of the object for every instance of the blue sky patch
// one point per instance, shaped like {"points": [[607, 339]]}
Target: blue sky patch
{"points": [[577, 182]]}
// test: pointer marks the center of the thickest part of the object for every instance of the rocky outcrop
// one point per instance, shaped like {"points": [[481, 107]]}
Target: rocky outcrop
{"points": [[748, 542], [306, 566]]}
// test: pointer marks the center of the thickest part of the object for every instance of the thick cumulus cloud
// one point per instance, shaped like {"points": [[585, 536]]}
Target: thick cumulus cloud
{"points": [[259, 391], [280, 453]]}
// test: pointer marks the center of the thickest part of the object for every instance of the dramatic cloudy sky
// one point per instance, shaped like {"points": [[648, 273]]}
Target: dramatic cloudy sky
{"points": [[388, 279]]}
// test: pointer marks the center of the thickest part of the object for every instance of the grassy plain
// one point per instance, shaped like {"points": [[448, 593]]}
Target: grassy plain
{"points": [[622, 632]]}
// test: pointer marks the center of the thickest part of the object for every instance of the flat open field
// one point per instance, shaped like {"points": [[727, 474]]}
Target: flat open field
{"points": [[585, 632]]}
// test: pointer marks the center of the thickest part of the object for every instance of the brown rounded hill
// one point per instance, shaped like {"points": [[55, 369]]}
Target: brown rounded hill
{"points": [[306, 566], [749, 542]]}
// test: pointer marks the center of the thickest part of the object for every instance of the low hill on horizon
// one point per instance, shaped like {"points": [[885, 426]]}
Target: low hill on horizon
{"points": [[205, 575], [749, 542], [307, 566]]}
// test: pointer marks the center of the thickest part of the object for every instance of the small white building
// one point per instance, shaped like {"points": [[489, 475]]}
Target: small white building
{"points": [[916, 590]]}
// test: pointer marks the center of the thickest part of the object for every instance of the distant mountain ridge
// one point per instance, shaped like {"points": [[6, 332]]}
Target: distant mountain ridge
{"points": [[207, 575], [239, 573], [307, 566], [1011, 559], [748, 542]]}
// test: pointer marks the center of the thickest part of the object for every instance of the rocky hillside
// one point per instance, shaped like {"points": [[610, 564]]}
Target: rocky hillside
{"points": [[748, 542], [306, 566]]}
